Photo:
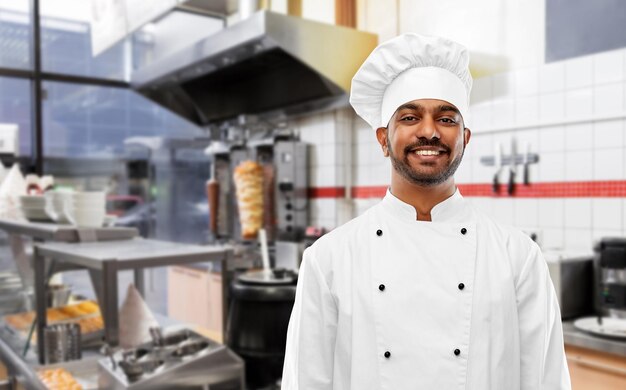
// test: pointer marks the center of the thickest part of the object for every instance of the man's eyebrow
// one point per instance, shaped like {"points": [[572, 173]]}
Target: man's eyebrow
{"points": [[410, 106], [446, 107]]}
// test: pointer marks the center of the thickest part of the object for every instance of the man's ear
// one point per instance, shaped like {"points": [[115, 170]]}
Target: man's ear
{"points": [[381, 135], [467, 134]]}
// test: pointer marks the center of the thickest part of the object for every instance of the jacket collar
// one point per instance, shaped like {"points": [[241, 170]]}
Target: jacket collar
{"points": [[452, 209]]}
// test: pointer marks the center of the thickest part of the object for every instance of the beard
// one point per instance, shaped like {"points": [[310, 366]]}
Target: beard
{"points": [[421, 178]]}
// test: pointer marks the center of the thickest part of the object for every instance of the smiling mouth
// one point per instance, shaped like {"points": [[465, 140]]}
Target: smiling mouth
{"points": [[428, 152]]}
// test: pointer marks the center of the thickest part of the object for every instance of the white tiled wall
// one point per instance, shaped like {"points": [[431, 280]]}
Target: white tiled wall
{"points": [[330, 138], [572, 113]]}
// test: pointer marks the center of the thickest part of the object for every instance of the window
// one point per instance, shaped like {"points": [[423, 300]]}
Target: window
{"points": [[15, 34], [92, 121], [15, 108], [66, 43]]}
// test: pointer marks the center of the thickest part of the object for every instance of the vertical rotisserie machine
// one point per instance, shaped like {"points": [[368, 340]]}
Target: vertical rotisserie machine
{"points": [[285, 191]]}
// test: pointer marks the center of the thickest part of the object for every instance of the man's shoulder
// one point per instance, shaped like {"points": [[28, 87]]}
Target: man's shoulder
{"points": [[518, 245], [506, 231], [337, 247]]}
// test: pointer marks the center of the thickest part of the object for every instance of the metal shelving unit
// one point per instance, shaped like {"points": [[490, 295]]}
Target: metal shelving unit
{"points": [[66, 233], [105, 259]]}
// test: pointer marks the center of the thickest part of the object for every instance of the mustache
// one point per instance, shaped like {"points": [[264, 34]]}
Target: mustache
{"points": [[435, 142]]}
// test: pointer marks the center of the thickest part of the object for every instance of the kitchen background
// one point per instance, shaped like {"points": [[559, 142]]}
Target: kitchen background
{"points": [[570, 111], [549, 87]]}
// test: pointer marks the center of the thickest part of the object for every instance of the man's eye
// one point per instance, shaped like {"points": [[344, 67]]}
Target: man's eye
{"points": [[447, 120], [409, 118]]}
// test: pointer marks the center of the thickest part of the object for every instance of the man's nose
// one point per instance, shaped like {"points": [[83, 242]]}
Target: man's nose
{"points": [[427, 128]]}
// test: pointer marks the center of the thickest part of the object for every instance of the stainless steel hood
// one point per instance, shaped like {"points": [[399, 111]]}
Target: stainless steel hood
{"points": [[267, 63]]}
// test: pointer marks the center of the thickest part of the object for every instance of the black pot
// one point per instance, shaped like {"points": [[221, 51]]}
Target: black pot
{"points": [[257, 328]]}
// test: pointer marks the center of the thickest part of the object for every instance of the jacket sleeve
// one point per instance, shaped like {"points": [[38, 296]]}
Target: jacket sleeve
{"points": [[312, 331], [543, 362]]}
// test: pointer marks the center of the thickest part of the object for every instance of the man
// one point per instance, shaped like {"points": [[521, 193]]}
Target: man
{"points": [[422, 291]]}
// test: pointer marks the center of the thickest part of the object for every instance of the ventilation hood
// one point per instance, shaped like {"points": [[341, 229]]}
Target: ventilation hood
{"points": [[268, 63]]}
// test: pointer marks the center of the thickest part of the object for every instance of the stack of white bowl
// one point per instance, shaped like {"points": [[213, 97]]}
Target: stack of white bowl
{"points": [[34, 207], [86, 209], [55, 205]]}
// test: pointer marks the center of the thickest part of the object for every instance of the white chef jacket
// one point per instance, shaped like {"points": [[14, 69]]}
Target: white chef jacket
{"points": [[391, 303]]}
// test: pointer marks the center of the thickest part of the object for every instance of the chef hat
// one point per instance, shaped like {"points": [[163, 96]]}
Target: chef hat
{"points": [[410, 67]]}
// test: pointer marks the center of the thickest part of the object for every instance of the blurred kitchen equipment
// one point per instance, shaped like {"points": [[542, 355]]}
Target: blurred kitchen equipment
{"points": [[289, 254], [86, 209], [608, 327], [526, 162], [572, 276], [284, 161], [265, 256], [609, 290], [58, 295], [257, 323], [249, 186], [610, 276], [264, 65], [512, 167], [33, 208], [213, 191], [62, 343], [497, 155], [498, 159], [181, 359], [247, 8], [55, 205]]}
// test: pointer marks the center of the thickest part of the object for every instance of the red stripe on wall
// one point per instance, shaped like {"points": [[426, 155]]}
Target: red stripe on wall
{"points": [[581, 189], [327, 192], [369, 192]]}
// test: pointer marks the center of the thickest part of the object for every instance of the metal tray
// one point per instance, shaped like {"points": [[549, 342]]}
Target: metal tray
{"points": [[611, 327]]}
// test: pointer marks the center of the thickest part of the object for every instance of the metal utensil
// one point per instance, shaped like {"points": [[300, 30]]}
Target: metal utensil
{"points": [[497, 156], [512, 167], [62, 343], [264, 251], [157, 336], [527, 164], [108, 351]]}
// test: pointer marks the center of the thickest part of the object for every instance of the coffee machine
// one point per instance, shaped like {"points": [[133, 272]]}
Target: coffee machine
{"points": [[610, 277]]}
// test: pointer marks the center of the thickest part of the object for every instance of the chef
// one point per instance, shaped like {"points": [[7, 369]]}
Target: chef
{"points": [[422, 291]]}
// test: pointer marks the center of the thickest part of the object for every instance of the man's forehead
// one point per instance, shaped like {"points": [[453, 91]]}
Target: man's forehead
{"points": [[428, 105]]}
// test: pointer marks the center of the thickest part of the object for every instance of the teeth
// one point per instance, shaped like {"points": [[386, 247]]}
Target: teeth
{"points": [[427, 152]]}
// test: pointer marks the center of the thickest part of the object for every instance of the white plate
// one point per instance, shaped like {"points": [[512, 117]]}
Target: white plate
{"points": [[36, 215], [611, 327]]}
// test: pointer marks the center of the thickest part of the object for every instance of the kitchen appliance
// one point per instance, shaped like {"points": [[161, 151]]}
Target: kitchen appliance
{"points": [[610, 277], [62, 343], [58, 294], [177, 360], [572, 277], [269, 64], [257, 323], [284, 161], [289, 254]]}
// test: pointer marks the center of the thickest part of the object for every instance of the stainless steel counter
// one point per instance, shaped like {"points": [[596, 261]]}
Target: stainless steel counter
{"points": [[105, 259], [577, 338], [65, 233], [23, 368]]}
